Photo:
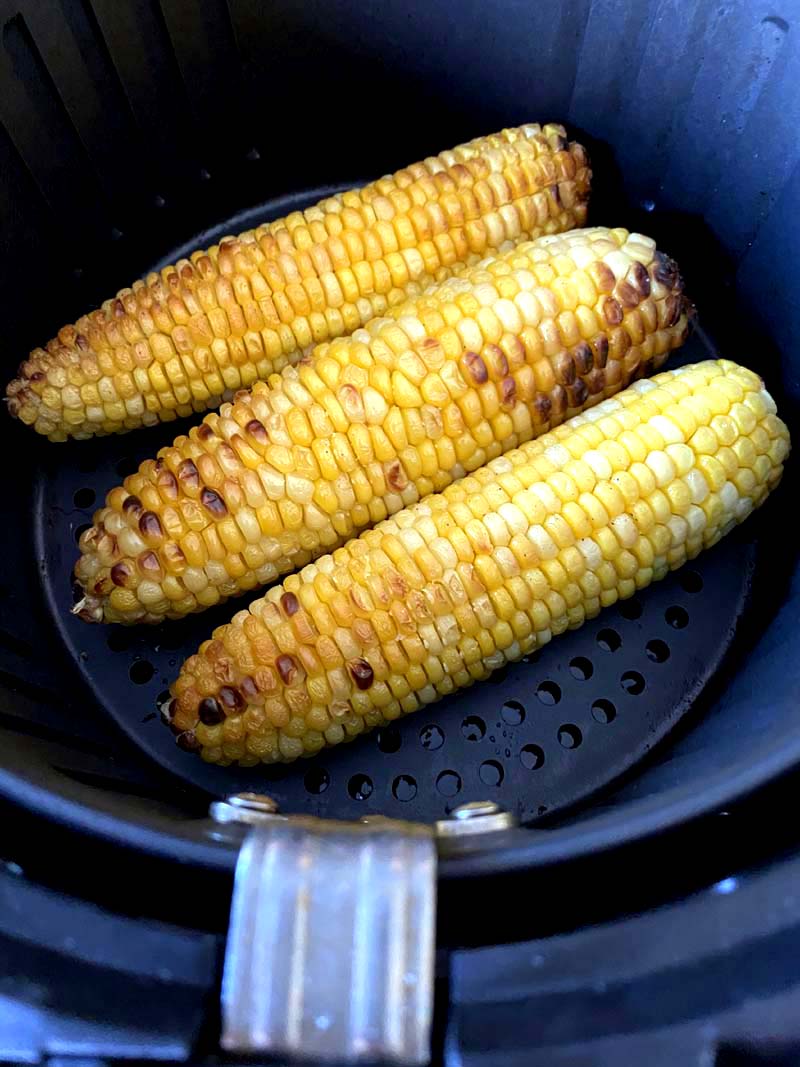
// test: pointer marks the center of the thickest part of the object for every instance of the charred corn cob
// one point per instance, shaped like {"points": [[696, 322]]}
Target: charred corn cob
{"points": [[448, 381], [187, 338], [452, 588]]}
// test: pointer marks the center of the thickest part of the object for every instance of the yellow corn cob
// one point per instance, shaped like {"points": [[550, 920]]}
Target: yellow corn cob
{"points": [[452, 588], [187, 338], [474, 367]]}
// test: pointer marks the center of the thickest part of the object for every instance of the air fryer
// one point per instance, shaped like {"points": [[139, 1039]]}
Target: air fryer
{"points": [[134, 131]]}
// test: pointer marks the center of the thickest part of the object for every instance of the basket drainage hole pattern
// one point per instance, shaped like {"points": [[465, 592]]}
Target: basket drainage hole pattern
{"points": [[540, 736]]}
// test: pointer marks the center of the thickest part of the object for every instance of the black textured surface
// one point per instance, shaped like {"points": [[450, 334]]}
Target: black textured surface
{"points": [[537, 737]]}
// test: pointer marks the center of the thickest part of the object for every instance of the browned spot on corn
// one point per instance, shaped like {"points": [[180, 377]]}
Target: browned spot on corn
{"points": [[612, 311], [188, 474], [213, 503], [257, 431], [362, 673], [209, 711], [231, 698], [475, 368], [150, 524], [290, 604], [132, 503], [120, 573], [287, 669], [187, 740]]}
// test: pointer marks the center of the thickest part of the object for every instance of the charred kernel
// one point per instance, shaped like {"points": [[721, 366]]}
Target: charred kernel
{"points": [[578, 393], [287, 669], [209, 712], [582, 358], [475, 367], [248, 688], [362, 673], [290, 603], [541, 407], [672, 310], [558, 402], [257, 431], [396, 476], [204, 432], [148, 562], [612, 312], [187, 741], [508, 392], [595, 381], [231, 698], [564, 368], [119, 310], [120, 573], [37, 376], [600, 350], [189, 474], [150, 524], [604, 276], [641, 279], [213, 502], [556, 195], [131, 503], [665, 270], [627, 295], [498, 358], [168, 484]]}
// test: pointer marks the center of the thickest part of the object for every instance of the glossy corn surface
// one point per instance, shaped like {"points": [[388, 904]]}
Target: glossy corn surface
{"points": [[446, 382], [187, 338], [452, 588]]}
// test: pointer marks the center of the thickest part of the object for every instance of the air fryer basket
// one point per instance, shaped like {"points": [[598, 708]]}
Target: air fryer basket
{"points": [[133, 129]]}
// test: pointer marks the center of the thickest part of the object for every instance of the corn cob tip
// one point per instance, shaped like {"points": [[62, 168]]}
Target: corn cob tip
{"points": [[89, 608]]}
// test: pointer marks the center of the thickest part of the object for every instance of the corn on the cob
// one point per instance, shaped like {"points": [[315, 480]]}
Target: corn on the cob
{"points": [[187, 338], [452, 588], [476, 366]]}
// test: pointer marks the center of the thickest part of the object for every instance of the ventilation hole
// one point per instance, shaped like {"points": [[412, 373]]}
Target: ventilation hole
{"points": [[657, 651], [569, 736], [389, 739], [81, 530], [360, 787], [448, 783], [125, 466], [581, 668], [491, 772], [631, 609], [549, 693], [609, 640], [498, 676], [119, 639], [513, 713], [677, 617], [532, 757], [316, 780], [431, 737], [473, 728], [141, 671], [404, 788], [603, 711], [632, 682], [84, 498], [690, 581]]}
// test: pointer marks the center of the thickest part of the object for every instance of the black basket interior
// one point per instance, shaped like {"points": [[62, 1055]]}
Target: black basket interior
{"points": [[132, 129]]}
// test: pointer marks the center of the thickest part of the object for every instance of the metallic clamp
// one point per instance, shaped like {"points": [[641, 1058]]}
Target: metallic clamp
{"points": [[331, 944]]}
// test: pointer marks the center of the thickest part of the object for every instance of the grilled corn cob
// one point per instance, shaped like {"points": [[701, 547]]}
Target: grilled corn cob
{"points": [[187, 338], [476, 366], [452, 588]]}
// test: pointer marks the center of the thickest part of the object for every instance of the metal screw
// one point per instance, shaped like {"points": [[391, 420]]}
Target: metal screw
{"points": [[475, 809], [251, 808], [476, 817]]}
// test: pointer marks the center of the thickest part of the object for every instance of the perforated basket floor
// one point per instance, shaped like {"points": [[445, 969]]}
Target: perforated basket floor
{"points": [[538, 737]]}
